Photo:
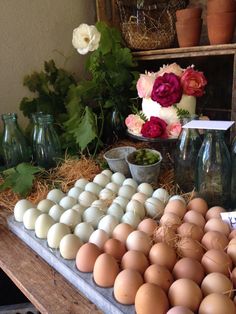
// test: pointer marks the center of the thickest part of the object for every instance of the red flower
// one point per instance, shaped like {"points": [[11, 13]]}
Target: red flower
{"points": [[193, 82], [167, 90], [155, 127]]}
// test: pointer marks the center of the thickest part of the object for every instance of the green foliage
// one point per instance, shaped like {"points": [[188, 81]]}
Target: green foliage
{"points": [[141, 114], [20, 178], [182, 113]]}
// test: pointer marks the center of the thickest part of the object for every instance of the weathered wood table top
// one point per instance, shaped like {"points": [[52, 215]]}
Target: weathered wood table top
{"points": [[45, 288]]}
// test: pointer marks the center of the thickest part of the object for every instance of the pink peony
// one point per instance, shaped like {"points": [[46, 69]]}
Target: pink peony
{"points": [[145, 84], [167, 90], [170, 68], [155, 127], [193, 82], [173, 130], [134, 123]]}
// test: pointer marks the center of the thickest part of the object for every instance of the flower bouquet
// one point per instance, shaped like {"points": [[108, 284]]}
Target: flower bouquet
{"points": [[167, 96]]}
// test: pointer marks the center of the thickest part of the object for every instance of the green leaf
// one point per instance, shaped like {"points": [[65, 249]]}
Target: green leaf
{"points": [[20, 178]]}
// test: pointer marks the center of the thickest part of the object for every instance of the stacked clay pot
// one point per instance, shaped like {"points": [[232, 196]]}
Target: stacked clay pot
{"points": [[188, 26], [221, 19]]}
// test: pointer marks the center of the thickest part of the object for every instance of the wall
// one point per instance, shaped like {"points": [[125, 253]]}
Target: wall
{"points": [[31, 32]]}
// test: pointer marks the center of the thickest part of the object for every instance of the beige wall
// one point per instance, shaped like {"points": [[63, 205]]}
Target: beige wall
{"points": [[31, 32]]}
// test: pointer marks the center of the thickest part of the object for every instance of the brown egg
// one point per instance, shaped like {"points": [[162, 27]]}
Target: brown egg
{"points": [[187, 247], [215, 240], [105, 270], [187, 229], [217, 261], [233, 277], [170, 220], [179, 310], [232, 234], [86, 257], [151, 299], [214, 212], [139, 241], [231, 250], [122, 231], [189, 268], [185, 292], [115, 248], [159, 275], [165, 234], [135, 260], [177, 207], [139, 196], [148, 226], [216, 303], [199, 205], [217, 224], [162, 254], [195, 217], [218, 283], [126, 286]]}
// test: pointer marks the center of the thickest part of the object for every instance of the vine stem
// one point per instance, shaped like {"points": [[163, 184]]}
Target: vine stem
{"points": [[101, 129]]}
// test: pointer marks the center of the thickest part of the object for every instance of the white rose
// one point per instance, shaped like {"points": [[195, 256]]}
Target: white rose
{"points": [[85, 38]]}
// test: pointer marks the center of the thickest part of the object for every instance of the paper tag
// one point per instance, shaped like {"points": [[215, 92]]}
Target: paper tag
{"points": [[209, 125], [230, 218]]}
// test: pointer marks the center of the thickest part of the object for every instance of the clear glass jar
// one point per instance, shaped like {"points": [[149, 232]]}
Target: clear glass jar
{"points": [[14, 144], [34, 131], [47, 143], [187, 149], [214, 170], [233, 178]]}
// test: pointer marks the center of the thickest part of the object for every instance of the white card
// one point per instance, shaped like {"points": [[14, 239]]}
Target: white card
{"points": [[209, 125], [230, 218]]}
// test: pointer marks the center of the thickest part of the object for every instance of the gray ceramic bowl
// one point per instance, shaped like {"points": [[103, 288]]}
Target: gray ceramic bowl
{"points": [[116, 159]]}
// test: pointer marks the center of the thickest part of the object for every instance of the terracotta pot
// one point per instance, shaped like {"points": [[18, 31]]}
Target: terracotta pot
{"points": [[220, 27], [188, 13], [217, 6], [188, 34]]}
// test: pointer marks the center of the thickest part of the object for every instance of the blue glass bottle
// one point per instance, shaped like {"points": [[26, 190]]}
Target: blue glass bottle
{"points": [[233, 177], [14, 145], [47, 143], [213, 175]]}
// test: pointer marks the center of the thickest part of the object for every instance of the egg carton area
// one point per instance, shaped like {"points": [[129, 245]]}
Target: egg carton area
{"points": [[101, 297], [22, 308]]}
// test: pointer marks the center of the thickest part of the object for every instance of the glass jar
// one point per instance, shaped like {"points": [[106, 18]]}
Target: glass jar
{"points": [[47, 143], [213, 174], [233, 173], [187, 149], [34, 131], [14, 145]]}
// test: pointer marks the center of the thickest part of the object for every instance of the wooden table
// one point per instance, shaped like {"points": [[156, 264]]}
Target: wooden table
{"points": [[41, 284]]}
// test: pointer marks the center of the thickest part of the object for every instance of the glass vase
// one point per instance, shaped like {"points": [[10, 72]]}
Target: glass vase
{"points": [[213, 174], [233, 176]]}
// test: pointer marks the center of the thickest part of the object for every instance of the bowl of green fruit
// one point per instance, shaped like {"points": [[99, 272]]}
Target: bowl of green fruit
{"points": [[144, 165]]}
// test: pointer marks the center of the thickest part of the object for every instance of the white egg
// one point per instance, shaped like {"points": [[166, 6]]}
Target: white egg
{"points": [[141, 197], [20, 208], [69, 246], [55, 195], [154, 207], [122, 201], [92, 215], [108, 173], [55, 233], [115, 210], [99, 237], [118, 178], [113, 186], [139, 241], [177, 197], [42, 225], [101, 179], [161, 194], [145, 188], [56, 211], [81, 183], [75, 192], [126, 191], [131, 182], [83, 230], [100, 204], [131, 218], [93, 188], [71, 218], [108, 224], [45, 205], [30, 217], [68, 202], [87, 198], [137, 208], [79, 208], [107, 195]]}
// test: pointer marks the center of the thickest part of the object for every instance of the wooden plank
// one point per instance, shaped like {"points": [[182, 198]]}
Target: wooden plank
{"points": [[41, 284]]}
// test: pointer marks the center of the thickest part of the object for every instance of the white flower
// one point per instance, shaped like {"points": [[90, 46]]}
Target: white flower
{"points": [[86, 38]]}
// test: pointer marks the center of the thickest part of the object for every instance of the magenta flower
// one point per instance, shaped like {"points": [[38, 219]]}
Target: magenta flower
{"points": [[155, 127]]}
